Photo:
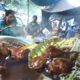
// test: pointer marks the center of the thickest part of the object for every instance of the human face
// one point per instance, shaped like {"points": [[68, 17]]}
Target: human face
{"points": [[9, 18], [34, 18]]}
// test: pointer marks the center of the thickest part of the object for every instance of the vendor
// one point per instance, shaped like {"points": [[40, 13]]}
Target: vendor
{"points": [[9, 21], [33, 28], [71, 32]]}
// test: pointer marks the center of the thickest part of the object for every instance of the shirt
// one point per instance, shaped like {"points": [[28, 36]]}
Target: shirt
{"points": [[71, 32], [9, 30], [33, 29]]}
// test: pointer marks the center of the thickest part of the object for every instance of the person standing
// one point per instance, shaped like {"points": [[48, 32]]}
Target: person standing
{"points": [[33, 28], [71, 32]]}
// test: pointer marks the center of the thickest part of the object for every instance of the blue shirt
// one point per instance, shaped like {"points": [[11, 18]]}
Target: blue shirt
{"points": [[8, 31], [71, 32]]}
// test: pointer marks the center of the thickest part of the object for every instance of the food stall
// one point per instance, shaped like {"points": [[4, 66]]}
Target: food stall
{"points": [[52, 58]]}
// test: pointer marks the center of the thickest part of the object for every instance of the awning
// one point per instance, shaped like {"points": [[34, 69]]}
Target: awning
{"points": [[61, 6], [70, 12], [45, 2]]}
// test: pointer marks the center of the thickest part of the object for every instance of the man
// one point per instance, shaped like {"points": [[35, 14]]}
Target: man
{"points": [[71, 32], [33, 28], [8, 23]]}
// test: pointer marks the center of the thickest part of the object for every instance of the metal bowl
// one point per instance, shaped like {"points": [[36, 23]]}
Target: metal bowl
{"points": [[14, 41]]}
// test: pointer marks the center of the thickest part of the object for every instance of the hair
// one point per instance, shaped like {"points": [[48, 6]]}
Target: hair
{"points": [[7, 12], [72, 27], [35, 16]]}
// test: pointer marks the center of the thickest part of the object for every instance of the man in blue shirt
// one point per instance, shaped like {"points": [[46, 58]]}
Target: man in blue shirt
{"points": [[71, 32], [8, 23]]}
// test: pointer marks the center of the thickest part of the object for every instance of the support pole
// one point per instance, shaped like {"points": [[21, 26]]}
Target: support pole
{"points": [[28, 4]]}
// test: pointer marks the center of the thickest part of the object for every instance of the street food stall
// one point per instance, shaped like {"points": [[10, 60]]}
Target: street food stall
{"points": [[44, 57]]}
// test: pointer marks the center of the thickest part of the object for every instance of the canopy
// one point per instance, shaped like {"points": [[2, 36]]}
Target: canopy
{"points": [[44, 2], [70, 12], [62, 5]]}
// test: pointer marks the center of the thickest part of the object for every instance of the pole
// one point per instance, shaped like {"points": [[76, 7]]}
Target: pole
{"points": [[28, 11], [60, 24]]}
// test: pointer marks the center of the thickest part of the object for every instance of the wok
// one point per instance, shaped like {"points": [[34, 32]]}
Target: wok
{"points": [[19, 70], [13, 40]]}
